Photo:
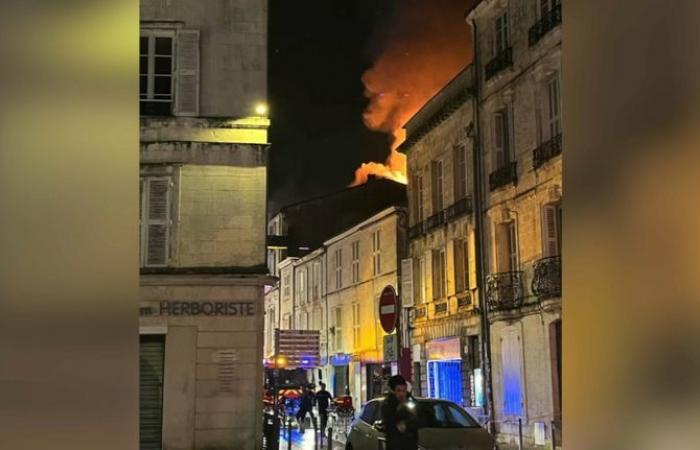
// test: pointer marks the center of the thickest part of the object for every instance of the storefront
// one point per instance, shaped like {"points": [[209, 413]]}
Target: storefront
{"points": [[340, 374], [200, 363], [444, 365]]}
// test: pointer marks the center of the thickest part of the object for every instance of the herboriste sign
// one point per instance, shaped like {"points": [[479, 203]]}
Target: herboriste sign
{"points": [[206, 308]]}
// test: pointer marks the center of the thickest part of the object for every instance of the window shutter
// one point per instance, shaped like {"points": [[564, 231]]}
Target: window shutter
{"points": [[471, 261], [407, 283], [502, 248], [550, 230], [158, 222], [187, 78]]}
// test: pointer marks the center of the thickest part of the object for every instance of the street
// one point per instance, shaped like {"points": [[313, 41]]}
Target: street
{"points": [[305, 441]]}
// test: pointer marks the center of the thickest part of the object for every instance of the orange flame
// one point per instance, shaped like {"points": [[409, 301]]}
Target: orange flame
{"points": [[429, 47]]}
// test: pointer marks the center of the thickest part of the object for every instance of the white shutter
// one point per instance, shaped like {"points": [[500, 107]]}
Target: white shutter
{"points": [[187, 73], [549, 230], [158, 221], [407, 283]]}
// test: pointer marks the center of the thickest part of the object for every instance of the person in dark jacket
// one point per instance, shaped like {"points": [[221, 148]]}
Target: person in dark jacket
{"points": [[399, 416], [323, 401], [306, 406]]}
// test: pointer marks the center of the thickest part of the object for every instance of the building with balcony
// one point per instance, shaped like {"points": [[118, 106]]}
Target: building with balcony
{"points": [[203, 177], [445, 319], [518, 65]]}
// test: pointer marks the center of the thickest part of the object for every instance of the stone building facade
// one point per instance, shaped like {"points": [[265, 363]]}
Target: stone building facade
{"points": [[446, 322], [518, 62], [335, 289], [203, 176]]}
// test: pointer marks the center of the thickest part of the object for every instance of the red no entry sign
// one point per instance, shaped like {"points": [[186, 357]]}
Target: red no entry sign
{"points": [[388, 309]]}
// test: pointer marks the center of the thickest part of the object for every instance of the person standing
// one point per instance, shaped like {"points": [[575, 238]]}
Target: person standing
{"points": [[306, 406], [399, 416], [323, 401]]}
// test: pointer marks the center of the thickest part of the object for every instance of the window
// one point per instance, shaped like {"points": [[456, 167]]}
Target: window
{"points": [[501, 135], [155, 221], [315, 280], [156, 71], [301, 287], [338, 329], [551, 229], [417, 194], [439, 276], [437, 187], [356, 325], [339, 268], [507, 247], [554, 106], [367, 415], [419, 188], [421, 280], [376, 253], [500, 34], [356, 261], [286, 286], [461, 264], [460, 172]]}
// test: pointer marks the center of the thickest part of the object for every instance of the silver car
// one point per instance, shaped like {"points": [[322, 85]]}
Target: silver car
{"points": [[442, 425]]}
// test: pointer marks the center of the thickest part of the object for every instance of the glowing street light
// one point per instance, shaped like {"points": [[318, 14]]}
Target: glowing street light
{"points": [[261, 109]]}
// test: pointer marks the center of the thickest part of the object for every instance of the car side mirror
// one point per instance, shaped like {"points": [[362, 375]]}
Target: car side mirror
{"points": [[378, 425]]}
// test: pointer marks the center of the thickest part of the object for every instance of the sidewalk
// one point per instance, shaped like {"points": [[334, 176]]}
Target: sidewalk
{"points": [[305, 441]]}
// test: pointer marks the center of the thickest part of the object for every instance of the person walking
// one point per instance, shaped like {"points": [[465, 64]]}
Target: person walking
{"points": [[306, 406], [399, 416], [323, 401]]}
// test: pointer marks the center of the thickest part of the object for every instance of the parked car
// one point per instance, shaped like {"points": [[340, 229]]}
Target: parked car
{"points": [[442, 425]]}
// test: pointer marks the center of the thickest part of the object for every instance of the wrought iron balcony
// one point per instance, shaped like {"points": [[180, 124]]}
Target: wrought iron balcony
{"points": [[546, 280], [503, 176], [546, 151], [547, 23], [499, 62], [504, 290], [416, 230], [435, 220], [458, 208]]}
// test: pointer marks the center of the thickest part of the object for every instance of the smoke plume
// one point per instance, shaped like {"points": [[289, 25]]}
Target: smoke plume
{"points": [[426, 45]]}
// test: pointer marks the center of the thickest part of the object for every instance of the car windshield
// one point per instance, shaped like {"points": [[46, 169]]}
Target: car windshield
{"points": [[443, 415]]}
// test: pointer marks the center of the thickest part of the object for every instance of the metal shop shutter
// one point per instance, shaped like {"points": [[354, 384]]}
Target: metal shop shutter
{"points": [[151, 353]]}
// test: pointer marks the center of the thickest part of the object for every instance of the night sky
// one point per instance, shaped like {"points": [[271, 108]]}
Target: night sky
{"points": [[318, 50]]}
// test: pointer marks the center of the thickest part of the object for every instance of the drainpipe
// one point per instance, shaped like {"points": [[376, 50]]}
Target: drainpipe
{"points": [[479, 218]]}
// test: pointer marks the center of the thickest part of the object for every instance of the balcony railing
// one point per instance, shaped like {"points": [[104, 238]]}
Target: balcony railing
{"points": [[463, 206], [546, 279], [504, 290], [547, 23], [499, 62], [504, 175], [546, 151], [435, 220]]}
